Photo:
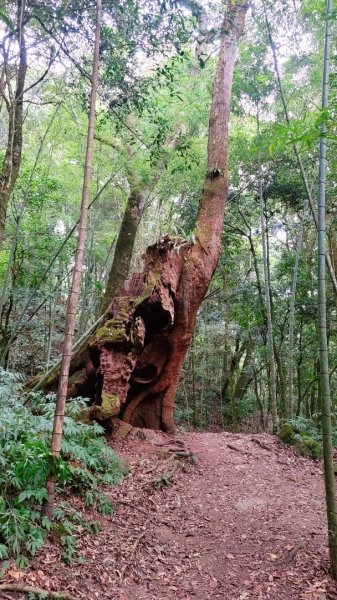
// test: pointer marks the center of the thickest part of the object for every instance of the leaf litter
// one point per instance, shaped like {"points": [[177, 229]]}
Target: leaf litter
{"points": [[205, 515]]}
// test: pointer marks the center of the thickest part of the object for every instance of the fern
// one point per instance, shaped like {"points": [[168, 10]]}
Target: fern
{"points": [[86, 462]]}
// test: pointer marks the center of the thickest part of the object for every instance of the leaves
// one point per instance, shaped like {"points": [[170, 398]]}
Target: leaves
{"points": [[86, 462]]}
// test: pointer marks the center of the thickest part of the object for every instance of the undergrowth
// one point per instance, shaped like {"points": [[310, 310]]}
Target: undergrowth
{"points": [[305, 434], [85, 464]]}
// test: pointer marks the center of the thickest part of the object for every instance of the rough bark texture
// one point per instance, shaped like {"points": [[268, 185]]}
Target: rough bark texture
{"points": [[131, 365]]}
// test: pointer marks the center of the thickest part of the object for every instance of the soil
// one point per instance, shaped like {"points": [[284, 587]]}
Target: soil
{"points": [[236, 517]]}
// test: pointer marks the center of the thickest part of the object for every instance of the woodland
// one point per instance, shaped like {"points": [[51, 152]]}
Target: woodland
{"points": [[168, 303]]}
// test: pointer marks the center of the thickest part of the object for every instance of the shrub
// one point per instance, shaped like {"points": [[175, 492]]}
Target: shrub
{"points": [[309, 447], [286, 433], [304, 434], [85, 463]]}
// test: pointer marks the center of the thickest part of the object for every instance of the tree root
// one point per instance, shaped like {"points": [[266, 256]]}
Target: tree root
{"points": [[176, 448], [28, 589], [238, 449], [261, 444]]}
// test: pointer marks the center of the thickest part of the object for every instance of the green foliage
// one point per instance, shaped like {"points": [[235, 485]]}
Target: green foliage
{"points": [[286, 433], [86, 462], [309, 447], [183, 415], [304, 434]]}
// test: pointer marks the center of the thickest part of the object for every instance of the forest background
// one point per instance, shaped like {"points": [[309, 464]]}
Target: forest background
{"points": [[152, 128], [157, 64]]}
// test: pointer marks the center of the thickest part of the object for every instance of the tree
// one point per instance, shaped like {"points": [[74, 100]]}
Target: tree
{"points": [[270, 336], [56, 440], [134, 360], [329, 474], [14, 103]]}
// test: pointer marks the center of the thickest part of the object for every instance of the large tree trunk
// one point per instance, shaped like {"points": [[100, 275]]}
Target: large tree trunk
{"points": [[132, 363]]}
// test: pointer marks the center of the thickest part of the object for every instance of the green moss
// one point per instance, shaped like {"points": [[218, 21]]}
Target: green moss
{"points": [[287, 434], [110, 405], [309, 447], [112, 331]]}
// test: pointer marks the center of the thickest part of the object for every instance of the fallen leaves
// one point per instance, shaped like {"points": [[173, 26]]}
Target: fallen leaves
{"points": [[190, 541]]}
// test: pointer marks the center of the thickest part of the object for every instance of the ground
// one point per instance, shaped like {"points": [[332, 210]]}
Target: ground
{"points": [[246, 521]]}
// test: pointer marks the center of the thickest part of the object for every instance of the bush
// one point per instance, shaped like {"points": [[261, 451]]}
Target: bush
{"points": [[309, 447], [86, 462], [286, 433], [304, 434]]}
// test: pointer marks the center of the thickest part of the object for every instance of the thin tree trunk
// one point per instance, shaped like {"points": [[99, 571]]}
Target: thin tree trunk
{"points": [[259, 401], [297, 154], [329, 475], [290, 395], [300, 396], [12, 159], [270, 338], [56, 440], [245, 377]]}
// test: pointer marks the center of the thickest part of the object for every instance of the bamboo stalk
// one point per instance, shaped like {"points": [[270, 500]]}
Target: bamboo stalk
{"points": [[329, 475], [57, 434], [296, 152]]}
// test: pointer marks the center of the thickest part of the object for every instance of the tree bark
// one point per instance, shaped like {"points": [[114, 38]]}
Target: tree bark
{"points": [[124, 246], [290, 394], [14, 103], [131, 365]]}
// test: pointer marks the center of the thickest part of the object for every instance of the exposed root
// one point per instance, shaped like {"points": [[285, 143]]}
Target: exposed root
{"points": [[238, 449], [28, 589], [261, 444]]}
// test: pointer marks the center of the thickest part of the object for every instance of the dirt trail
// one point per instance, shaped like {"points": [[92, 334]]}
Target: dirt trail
{"points": [[246, 522]]}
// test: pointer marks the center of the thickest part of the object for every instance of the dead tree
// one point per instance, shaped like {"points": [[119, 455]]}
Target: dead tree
{"points": [[130, 366]]}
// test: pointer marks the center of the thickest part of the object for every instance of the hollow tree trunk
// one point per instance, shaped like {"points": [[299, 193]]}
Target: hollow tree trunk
{"points": [[134, 358]]}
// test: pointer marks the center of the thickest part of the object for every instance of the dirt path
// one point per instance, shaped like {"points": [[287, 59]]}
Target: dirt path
{"points": [[246, 522]]}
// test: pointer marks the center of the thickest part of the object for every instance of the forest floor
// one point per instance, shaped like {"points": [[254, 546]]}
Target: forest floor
{"points": [[244, 520]]}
